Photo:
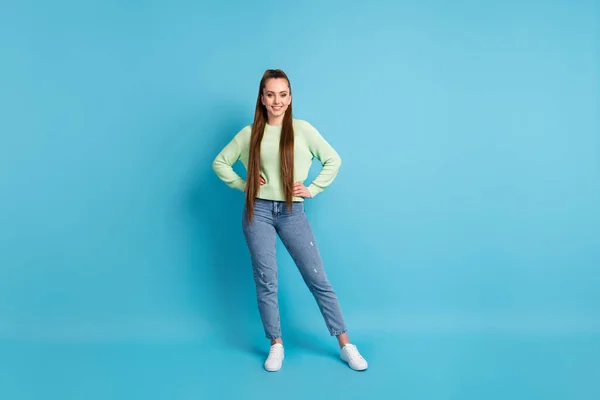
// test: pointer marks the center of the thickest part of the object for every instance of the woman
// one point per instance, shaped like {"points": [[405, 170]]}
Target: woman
{"points": [[277, 151]]}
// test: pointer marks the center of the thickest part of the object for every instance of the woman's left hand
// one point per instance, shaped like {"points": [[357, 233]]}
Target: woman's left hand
{"points": [[301, 191]]}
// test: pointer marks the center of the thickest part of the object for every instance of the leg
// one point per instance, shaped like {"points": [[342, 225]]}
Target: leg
{"points": [[297, 236], [261, 238], [343, 339]]}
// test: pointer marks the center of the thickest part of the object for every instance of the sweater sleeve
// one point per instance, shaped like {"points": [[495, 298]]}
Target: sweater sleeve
{"points": [[330, 160], [223, 165]]}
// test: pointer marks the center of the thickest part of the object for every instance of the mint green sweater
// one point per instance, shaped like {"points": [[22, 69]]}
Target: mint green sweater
{"points": [[308, 144]]}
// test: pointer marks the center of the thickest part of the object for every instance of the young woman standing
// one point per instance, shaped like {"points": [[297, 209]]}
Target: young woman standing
{"points": [[277, 151]]}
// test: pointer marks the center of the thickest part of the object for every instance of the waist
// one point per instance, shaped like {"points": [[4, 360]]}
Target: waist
{"points": [[271, 193], [262, 206], [260, 200]]}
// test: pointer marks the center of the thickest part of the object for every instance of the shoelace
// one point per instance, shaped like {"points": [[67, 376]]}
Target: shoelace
{"points": [[353, 353], [275, 353]]}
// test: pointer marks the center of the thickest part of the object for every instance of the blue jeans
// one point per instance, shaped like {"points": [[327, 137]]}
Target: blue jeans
{"points": [[273, 218]]}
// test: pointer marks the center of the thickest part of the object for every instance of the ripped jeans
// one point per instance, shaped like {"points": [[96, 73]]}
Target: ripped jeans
{"points": [[272, 218]]}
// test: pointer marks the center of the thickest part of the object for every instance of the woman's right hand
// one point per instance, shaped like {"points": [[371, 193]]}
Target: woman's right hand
{"points": [[262, 182]]}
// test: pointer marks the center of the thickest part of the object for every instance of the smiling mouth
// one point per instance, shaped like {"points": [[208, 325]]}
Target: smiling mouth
{"points": [[276, 108]]}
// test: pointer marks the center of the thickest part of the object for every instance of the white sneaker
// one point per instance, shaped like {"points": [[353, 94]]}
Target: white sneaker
{"points": [[350, 354], [275, 359]]}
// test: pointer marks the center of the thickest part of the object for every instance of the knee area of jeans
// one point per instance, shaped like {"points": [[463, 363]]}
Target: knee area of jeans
{"points": [[271, 285], [320, 284], [267, 286], [264, 278], [316, 273]]}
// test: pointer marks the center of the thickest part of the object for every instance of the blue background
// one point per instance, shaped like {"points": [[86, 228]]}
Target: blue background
{"points": [[462, 234]]}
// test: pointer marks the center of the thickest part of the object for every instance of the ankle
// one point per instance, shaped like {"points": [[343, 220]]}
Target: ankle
{"points": [[274, 341], [343, 339]]}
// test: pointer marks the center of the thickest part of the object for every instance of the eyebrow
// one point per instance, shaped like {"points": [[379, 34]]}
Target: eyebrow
{"points": [[283, 91]]}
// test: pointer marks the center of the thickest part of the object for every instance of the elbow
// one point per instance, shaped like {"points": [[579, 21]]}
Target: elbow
{"points": [[336, 161], [216, 163]]}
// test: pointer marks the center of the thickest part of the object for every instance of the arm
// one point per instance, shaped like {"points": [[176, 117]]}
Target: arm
{"points": [[222, 165], [329, 158]]}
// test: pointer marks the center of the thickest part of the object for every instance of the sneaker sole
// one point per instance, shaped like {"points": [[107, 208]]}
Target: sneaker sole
{"points": [[272, 370], [350, 365]]}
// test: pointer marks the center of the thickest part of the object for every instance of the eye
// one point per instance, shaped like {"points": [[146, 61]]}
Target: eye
{"points": [[283, 94], [269, 95]]}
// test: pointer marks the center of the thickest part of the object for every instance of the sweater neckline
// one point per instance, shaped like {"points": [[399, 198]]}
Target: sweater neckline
{"points": [[273, 128]]}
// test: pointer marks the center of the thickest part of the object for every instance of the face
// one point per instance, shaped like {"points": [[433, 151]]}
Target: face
{"points": [[276, 97]]}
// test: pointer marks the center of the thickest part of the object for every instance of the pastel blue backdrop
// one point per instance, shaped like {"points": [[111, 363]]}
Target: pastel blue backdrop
{"points": [[462, 234]]}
